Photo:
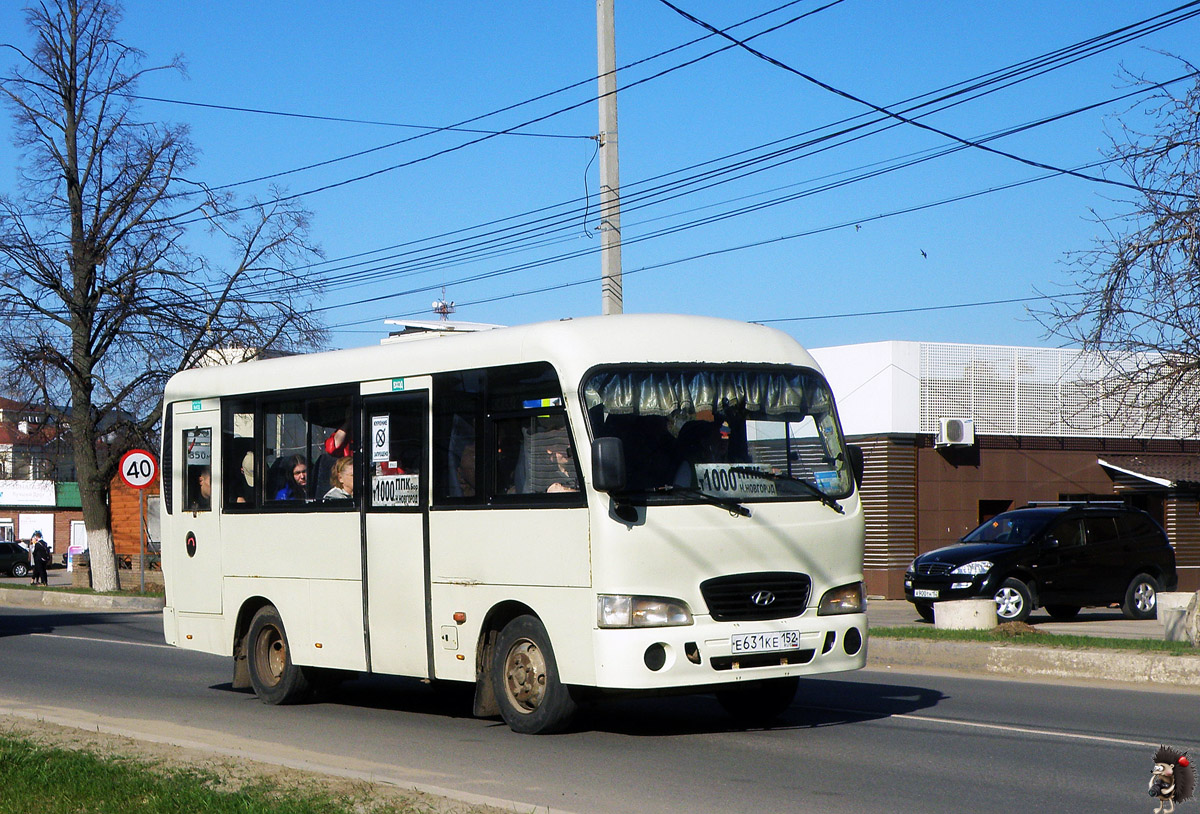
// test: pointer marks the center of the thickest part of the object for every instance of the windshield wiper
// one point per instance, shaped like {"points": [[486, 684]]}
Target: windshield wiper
{"points": [[761, 473], [731, 506]]}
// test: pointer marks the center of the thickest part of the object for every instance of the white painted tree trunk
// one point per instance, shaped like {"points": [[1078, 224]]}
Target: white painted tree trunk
{"points": [[103, 561]]}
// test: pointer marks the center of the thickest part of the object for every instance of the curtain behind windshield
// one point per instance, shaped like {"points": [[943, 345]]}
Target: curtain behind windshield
{"points": [[667, 392]]}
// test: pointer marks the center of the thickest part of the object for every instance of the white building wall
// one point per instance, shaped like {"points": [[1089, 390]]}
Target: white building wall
{"points": [[877, 385], [908, 387]]}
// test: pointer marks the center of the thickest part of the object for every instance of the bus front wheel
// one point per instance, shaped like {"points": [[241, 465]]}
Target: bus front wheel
{"points": [[276, 680], [525, 679]]}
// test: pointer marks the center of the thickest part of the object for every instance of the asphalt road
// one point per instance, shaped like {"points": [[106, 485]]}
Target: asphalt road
{"points": [[865, 742]]}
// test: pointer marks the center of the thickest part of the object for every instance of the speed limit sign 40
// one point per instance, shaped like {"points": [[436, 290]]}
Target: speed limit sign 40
{"points": [[138, 468]]}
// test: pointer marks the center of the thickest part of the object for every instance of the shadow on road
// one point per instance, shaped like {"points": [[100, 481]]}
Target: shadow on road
{"points": [[819, 703], [18, 623], [394, 693]]}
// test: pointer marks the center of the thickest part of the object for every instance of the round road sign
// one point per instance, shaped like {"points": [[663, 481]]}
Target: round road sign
{"points": [[138, 468]]}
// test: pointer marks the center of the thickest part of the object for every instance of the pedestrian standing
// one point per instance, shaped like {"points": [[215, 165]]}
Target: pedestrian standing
{"points": [[41, 558]]}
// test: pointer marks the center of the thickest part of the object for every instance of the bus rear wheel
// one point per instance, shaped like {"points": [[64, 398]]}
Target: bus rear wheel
{"points": [[525, 679], [276, 680]]}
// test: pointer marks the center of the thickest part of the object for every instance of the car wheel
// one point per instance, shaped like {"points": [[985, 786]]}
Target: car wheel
{"points": [[1013, 601], [924, 610], [1062, 613], [759, 703], [276, 680], [525, 680], [1141, 598], [20, 569]]}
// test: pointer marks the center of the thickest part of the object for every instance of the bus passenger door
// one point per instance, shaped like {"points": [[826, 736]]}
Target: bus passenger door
{"points": [[192, 552], [396, 556]]}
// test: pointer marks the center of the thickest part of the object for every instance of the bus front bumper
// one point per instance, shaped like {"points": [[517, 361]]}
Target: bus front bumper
{"points": [[709, 652]]}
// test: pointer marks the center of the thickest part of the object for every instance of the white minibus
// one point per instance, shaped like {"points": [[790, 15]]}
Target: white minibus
{"points": [[551, 512]]}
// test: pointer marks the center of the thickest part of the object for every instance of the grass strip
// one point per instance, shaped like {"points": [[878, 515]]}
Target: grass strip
{"points": [[51, 780], [1037, 638]]}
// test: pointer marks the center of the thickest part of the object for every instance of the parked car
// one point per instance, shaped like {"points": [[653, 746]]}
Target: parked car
{"points": [[1059, 556], [14, 560]]}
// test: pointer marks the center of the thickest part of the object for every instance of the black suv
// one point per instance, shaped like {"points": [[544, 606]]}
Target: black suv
{"points": [[13, 560], [1060, 557]]}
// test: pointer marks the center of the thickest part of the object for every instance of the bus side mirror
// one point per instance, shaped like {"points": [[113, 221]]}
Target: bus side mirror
{"points": [[608, 464], [855, 453]]}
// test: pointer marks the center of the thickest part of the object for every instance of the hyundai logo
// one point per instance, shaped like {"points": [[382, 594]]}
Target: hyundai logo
{"points": [[762, 598]]}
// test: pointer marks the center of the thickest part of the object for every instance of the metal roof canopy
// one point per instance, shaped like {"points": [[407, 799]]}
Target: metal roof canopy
{"points": [[1166, 471]]}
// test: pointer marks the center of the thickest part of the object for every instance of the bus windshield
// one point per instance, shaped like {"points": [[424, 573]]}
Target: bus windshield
{"points": [[750, 433]]}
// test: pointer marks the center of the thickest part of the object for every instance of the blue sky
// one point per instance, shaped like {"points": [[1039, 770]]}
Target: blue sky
{"points": [[436, 64]]}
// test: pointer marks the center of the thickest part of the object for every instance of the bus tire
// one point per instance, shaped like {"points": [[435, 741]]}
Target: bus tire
{"points": [[759, 703], [525, 678], [276, 680]]}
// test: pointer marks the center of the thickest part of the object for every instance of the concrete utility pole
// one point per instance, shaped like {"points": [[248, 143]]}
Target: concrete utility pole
{"points": [[611, 296]]}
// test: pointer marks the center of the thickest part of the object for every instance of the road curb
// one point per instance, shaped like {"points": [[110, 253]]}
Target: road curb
{"points": [[1037, 662], [21, 597]]}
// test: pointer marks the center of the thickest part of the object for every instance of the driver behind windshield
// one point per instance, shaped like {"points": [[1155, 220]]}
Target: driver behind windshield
{"points": [[700, 442]]}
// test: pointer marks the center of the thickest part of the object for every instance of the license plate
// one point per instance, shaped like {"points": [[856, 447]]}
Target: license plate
{"points": [[764, 642], [925, 593]]}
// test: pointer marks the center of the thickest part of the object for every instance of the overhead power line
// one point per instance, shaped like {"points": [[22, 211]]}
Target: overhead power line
{"points": [[916, 309], [590, 279], [461, 125], [676, 188], [505, 131], [899, 117], [524, 234], [491, 249], [342, 119]]}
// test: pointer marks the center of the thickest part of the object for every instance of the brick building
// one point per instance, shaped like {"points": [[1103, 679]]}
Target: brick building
{"points": [[126, 520], [953, 434], [52, 508]]}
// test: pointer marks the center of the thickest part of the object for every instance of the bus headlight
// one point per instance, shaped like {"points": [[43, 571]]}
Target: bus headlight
{"points": [[617, 610], [843, 599]]}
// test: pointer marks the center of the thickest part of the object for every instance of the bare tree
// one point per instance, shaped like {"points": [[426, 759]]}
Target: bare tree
{"points": [[1135, 297], [101, 299]]}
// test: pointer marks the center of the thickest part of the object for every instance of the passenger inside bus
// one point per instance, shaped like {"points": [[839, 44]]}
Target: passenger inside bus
{"points": [[562, 469], [246, 486], [341, 480], [700, 442], [464, 471], [333, 419], [292, 476], [200, 489], [340, 441], [651, 459], [461, 457]]}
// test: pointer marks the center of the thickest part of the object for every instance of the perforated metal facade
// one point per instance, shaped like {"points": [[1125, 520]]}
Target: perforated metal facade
{"points": [[1025, 391]]}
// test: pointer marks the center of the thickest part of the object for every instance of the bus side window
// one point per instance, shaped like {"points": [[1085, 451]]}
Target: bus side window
{"points": [[238, 470], [331, 423], [286, 462], [457, 419], [501, 432], [197, 480], [534, 456], [396, 482]]}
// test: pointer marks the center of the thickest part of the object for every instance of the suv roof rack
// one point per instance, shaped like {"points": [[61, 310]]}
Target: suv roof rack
{"points": [[1036, 503]]}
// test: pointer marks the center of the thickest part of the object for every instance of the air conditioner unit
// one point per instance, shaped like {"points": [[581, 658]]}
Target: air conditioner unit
{"points": [[955, 432]]}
